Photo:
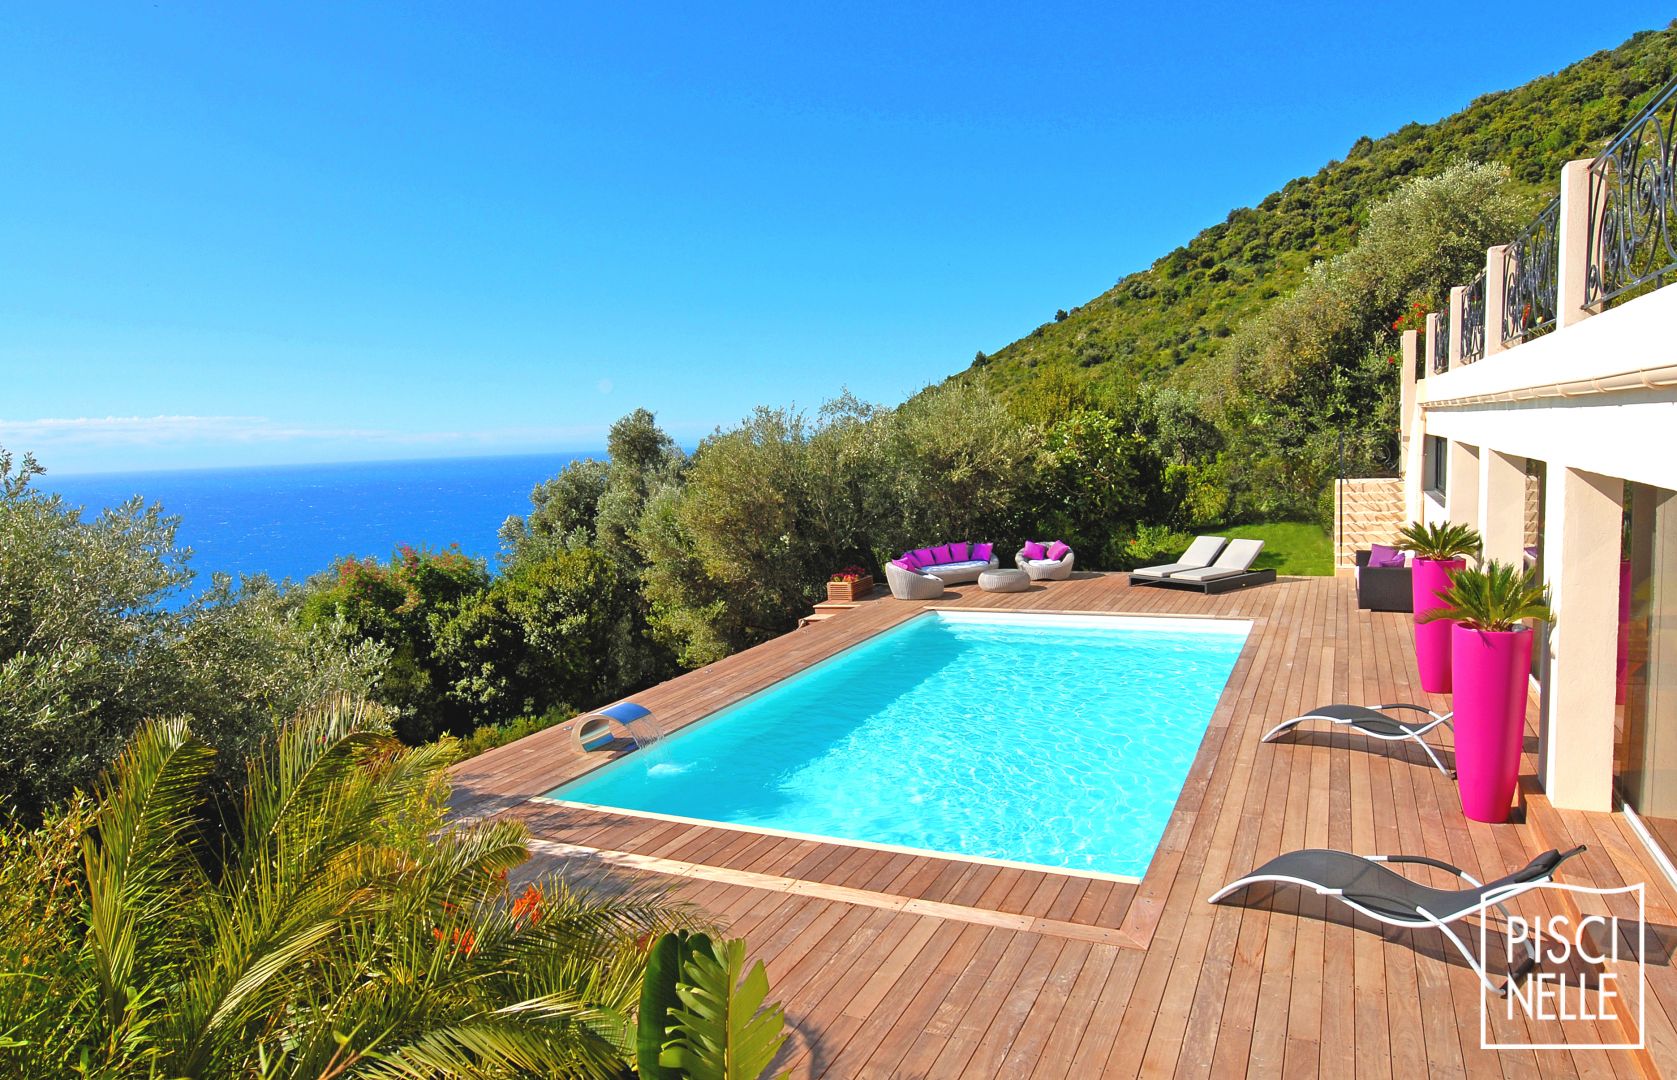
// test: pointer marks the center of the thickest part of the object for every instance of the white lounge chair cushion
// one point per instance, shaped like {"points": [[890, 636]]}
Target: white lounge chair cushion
{"points": [[1237, 558], [1202, 551], [1167, 570], [1199, 554]]}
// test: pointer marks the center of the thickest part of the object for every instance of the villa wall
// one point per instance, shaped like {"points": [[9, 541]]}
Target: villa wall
{"points": [[1366, 511], [1599, 396], [1594, 399]]}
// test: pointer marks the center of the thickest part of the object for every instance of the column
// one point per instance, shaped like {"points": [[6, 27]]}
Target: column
{"points": [[1461, 500], [1409, 351], [1415, 449], [1496, 287], [1456, 309], [1502, 506], [1583, 522], [1574, 265]]}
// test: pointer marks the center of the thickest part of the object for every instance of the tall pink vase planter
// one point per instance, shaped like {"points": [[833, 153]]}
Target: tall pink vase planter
{"points": [[1491, 668], [1428, 579]]}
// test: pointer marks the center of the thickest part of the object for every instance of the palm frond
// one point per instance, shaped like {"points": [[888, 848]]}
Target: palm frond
{"points": [[1444, 540], [139, 867], [1494, 597], [494, 1048], [345, 929]]}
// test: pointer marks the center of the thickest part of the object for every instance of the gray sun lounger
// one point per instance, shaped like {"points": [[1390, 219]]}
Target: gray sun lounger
{"points": [[1363, 883], [1231, 570], [1373, 722], [1199, 555]]}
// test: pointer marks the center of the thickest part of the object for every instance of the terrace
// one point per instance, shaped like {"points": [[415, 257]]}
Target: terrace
{"points": [[895, 964]]}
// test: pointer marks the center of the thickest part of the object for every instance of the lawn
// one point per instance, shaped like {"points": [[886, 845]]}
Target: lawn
{"points": [[1290, 547]]}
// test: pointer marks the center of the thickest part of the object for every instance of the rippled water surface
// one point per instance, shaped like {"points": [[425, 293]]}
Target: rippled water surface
{"points": [[1050, 740]]}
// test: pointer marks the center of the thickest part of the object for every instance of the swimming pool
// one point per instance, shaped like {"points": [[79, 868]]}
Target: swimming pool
{"points": [[1047, 740]]}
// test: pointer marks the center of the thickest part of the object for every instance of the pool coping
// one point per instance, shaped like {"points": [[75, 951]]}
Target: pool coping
{"points": [[1131, 907], [867, 845]]}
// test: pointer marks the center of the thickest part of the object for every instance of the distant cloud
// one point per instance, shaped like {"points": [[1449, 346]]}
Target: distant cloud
{"points": [[157, 430], [117, 432]]}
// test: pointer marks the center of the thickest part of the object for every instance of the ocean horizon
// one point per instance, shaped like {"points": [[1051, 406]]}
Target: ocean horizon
{"points": [[293, 521]]}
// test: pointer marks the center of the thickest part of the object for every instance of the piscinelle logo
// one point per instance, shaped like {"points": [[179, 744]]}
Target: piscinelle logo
{"points": [[1589, 983]]}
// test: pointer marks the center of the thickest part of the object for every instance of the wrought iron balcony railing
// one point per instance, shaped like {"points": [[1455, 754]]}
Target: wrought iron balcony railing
{"points": [[1473, 320], [1631, 203], [1530, 278]]}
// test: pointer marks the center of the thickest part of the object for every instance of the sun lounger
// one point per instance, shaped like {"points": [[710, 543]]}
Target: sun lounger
{"points": [[1199, 554], [1363, 883], [1232, 570], [1374, 723]]}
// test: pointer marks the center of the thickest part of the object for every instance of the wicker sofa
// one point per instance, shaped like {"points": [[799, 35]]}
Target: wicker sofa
{"points": [[1383, 588], [926, 582]]}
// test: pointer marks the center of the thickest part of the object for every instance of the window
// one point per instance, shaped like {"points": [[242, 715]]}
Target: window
{"points": [[1646, 750], [1435, 474]]}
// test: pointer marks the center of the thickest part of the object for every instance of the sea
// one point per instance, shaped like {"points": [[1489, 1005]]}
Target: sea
{"points": [[293, 521]]}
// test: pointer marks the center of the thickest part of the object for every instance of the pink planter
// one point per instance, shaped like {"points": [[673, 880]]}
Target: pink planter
{"points": [[1491, 669], [1429, 578]]}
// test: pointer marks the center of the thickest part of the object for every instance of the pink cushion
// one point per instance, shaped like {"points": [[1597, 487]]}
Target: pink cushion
{"points": [[981, 552], [940, 554], [923, 556], [902, 563], [1381, 555], [958, 552], [1034, 550], [1058, 550]]}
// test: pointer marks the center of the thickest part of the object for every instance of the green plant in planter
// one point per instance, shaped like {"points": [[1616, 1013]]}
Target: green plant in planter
{"points": [[1495, 597], [1441, 541]]}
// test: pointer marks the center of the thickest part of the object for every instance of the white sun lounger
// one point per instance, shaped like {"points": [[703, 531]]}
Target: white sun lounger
{"points": [[1199, 555]]}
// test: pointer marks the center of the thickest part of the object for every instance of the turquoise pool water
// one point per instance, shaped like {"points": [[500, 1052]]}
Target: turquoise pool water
{"points": [[1056, 741]]}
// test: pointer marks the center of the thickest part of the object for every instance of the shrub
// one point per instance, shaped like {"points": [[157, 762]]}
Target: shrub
{"points": [[402, 605], [489, 736], [95, 638], [1149, 545]]}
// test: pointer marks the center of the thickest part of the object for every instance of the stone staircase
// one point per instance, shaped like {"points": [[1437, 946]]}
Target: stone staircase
{"points": [[1373, 513]]}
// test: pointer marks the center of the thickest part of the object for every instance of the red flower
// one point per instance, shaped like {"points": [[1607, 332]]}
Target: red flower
{"points": [[464, 941], [529, 904]]}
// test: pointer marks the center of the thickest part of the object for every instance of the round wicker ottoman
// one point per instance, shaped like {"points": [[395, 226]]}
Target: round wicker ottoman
{"points": [[1004, 581]]}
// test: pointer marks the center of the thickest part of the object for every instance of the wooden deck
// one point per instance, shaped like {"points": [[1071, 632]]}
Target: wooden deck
{"points": [[894, 964]]}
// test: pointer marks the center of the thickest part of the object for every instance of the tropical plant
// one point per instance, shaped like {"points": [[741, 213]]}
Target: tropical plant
{"points": [[666, 965], [1442, 541], [721, 1029], [1494, 597], [332, 927]]}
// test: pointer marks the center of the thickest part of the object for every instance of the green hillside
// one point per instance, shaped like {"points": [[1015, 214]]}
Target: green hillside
{"points": [[1180, 311]]}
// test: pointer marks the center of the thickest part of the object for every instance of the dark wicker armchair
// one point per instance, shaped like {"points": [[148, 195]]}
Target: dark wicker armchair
{"points": [[1382, 588]]}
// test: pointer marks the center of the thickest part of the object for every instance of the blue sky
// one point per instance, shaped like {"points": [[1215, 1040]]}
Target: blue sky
{"points": [[240, 234]]}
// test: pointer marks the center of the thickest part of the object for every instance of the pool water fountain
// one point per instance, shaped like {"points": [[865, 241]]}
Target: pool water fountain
{"points": [[599, 729]]}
